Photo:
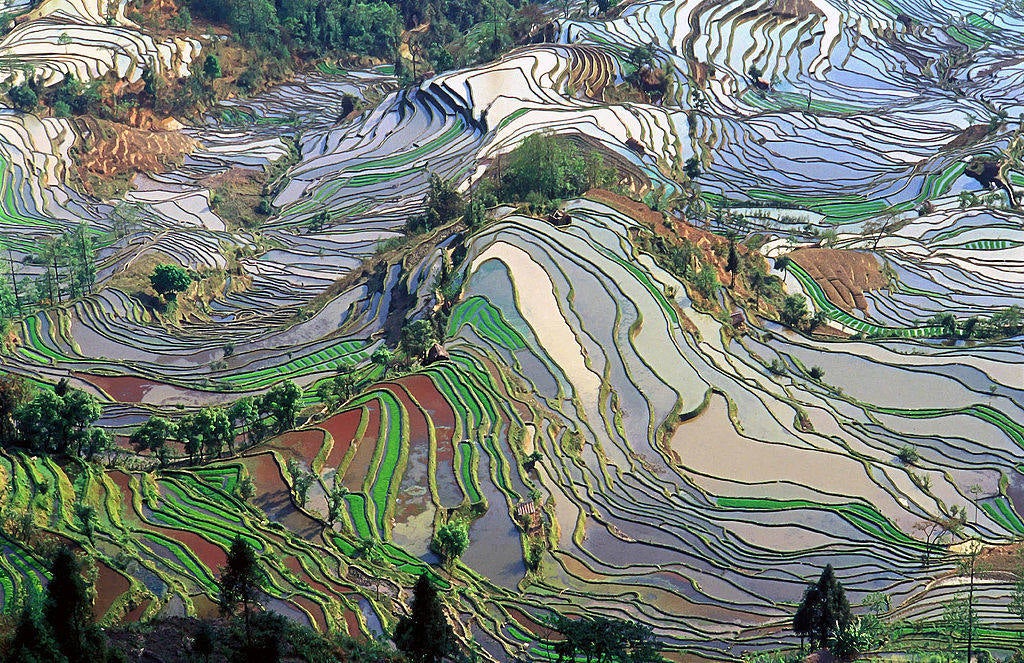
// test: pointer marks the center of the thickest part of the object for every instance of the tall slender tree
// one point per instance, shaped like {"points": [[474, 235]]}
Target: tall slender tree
{"points": [[425, 636], [824, 612]]}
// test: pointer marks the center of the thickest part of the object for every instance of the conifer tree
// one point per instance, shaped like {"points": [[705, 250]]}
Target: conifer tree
{"points": [[425, 636]]}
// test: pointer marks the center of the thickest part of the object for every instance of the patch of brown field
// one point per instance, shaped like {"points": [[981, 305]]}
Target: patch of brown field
{"points": [[124, 388], [342, 429], [314, 610], [235, 193], [969, 136], [135, 614], [110, 585], [305, 444], [1001, 559], [110, 149], [843, 275]]}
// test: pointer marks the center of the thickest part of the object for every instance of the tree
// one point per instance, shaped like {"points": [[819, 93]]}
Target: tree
{"points": [[451, 541], [58, 423], [68, 610], [301, 481], [417, 337], [168, 280], [794, 310], [383, 358], [733, 263], [209, 430], [282, 403], [241, 583], [23, 97], [153, 435], [959, 621], [86, 515], [824, 612], [13, 394], [604, 640], [245, 416], [425, 636], [336, 501], [706, 282], [339, 389], [211, 67]]}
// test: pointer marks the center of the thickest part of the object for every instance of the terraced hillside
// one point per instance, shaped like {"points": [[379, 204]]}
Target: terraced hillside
{"points": [[687, 469]]}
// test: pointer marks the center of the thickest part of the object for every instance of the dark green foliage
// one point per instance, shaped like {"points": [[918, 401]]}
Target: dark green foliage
{"points": [[207, 431], [816, 372], [338, 389], [245, 416], [68, 614], [282, 403], [59, 424], [153, 435], [425, 636], [824, 612], [211, 67], [241, 582], [33, 641], [417, 337], [794, 311], [549, 167], [13, 394], [23, 97], [732, 265], [444, 203], [451, 541], [605, 640], [168, 280]]}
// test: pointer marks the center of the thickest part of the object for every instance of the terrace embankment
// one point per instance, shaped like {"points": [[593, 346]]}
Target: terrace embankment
{"points": [[844, 276]]}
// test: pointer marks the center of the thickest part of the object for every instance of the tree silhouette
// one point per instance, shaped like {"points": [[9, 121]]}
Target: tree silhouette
{"points": [[241, 583], [824, 612], [425, 636]]}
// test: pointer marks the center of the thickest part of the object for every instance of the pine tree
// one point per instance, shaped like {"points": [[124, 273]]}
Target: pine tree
{"points": [[425, 636], [240, 583], [824, 612], [68, 610]]}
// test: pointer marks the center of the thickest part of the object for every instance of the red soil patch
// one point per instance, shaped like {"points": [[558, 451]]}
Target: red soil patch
{"points": [[360, 466], [842, 275], [439, 411], [121, 388], [314, 610], [342, 428], [353, 625], [210, 554], [303, 443], [135, 614], [113, 149], [110, 585]]}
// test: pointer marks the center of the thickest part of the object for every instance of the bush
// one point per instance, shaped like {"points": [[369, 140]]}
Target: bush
{"points": [[23, 97], [551, 167], [908, 455]]}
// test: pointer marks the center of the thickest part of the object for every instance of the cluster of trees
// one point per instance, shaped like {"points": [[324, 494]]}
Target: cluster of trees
{"points": [[58, 422], [59, 627], [282, 29], [604, 640], [548, 167], [69, 97], [1001, 324], [210, 430], [68, 265]]}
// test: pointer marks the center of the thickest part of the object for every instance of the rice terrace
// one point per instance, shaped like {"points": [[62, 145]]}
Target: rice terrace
{"points": [[383, 330]]}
